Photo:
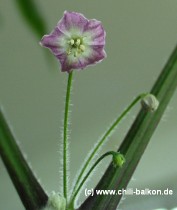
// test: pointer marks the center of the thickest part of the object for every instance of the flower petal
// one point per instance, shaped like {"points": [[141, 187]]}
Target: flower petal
{"points": [[68, 63], [94, 33], [94, 55], [72, 22], [56, 41]]}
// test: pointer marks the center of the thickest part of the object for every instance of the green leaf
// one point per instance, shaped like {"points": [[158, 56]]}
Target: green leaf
{"points": [[33, 16], [27, 186], [135, 141]]}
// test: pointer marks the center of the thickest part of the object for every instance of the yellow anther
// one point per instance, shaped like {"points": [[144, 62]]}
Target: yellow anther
{"points": [[82, 47], [75, 47], [78, 41], [71, 42]]}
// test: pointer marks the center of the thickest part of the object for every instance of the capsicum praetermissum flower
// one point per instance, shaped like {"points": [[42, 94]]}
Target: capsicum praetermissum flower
{"points": [[76, 41]]}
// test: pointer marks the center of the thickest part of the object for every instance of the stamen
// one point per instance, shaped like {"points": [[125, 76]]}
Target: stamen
{"points": [[75, 47], [82, 47], [75, 53], [71, 42], [78, 41]]}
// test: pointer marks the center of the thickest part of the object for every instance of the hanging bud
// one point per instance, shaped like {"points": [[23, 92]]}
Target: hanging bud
{"points": [[150, 103], [118, 159]]}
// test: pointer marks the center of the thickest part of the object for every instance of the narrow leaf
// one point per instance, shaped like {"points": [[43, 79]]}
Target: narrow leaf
{"points": [[27, 186], [33, 16]]}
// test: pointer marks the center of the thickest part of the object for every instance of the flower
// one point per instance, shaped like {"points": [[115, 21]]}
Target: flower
{"points": [[76, 41]]}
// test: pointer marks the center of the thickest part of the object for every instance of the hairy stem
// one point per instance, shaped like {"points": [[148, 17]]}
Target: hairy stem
{"points": [[65, 135], [88, 173], [105, 136]]}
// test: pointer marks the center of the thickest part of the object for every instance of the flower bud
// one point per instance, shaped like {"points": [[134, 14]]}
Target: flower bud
{"points": [[118, 159], [150, 103]]}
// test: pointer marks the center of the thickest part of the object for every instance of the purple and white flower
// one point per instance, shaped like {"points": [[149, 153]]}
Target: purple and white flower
{"points": [[76, 41]]}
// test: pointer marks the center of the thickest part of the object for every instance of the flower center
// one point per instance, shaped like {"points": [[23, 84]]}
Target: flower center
{"points": [[76, 46]]}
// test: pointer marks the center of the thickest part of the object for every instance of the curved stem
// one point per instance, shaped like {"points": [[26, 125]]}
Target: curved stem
{"points": [[65, 134], [89, 172], [105, 136]]}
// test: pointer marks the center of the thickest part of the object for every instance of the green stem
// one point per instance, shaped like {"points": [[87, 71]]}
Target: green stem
{"points": [[30, 191], [88, 173], [105, 136], [65, 135]]}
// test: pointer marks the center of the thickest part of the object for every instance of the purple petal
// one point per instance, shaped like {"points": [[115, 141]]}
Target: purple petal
{"points": [[97, 34], [66, 63], [72, 20], [70, 63], [97, 55], [52, 41]]}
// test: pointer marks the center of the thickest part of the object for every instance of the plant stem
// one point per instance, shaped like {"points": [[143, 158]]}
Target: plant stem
{"points": [[89, 172], [30, 191], [105, 136], [65, 135]]}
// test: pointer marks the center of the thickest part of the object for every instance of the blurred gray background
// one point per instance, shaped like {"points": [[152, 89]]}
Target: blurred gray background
{"points": [[141, 35]]}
